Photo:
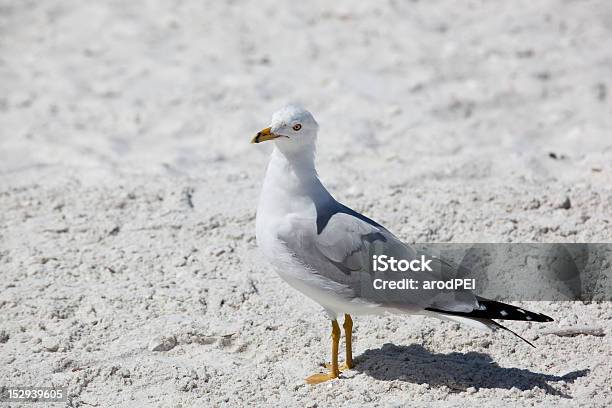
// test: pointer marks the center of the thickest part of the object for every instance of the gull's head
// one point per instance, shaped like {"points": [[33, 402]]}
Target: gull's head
{"points": [[293, 129]]}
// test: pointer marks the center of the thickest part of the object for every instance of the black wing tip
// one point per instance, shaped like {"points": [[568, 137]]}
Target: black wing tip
{"points": [[503, 311], [547, 319], [533, 317], [491, 309]]}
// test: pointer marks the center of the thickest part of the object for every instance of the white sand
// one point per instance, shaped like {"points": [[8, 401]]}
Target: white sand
{"points": [[128, 192]]}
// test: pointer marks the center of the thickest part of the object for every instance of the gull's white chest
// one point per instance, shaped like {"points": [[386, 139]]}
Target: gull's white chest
{"points": [[278, 224], [285, 211]]}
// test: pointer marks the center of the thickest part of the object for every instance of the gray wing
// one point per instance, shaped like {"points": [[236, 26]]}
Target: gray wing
{"points": [[342, 252]]}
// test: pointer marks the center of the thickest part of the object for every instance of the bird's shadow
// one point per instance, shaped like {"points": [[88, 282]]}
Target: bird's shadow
{"points": [[457, 371]]}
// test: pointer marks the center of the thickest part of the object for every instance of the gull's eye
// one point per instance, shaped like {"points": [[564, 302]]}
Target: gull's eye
{"points": [[297, 127]]}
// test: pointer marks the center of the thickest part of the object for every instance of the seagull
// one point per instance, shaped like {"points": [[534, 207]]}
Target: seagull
{"points": [[324, 249]]}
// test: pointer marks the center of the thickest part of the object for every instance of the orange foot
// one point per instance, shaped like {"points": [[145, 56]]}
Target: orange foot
{"points": [[321, 377]]}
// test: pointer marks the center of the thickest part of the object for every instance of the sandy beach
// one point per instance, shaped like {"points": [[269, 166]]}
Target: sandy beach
{"points": [[128, 193]]}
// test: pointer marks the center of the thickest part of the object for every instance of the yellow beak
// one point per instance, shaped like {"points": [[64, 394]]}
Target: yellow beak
{"points": [[264, 135]]}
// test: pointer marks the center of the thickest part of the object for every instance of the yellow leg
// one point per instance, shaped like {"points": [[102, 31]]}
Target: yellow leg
{"points": [[348, 333], [335, 371]]}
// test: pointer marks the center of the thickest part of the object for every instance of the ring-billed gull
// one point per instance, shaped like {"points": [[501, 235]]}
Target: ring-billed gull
{"points": [[323, 248]]}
